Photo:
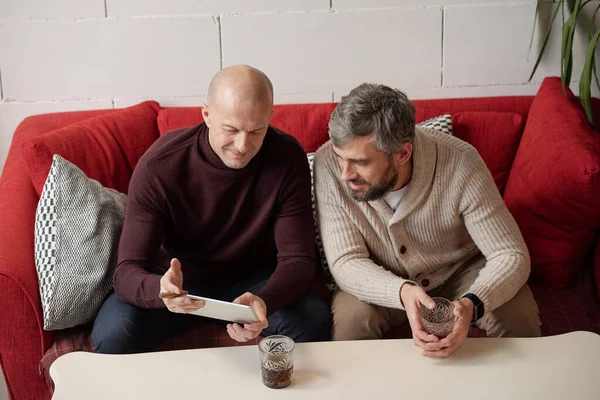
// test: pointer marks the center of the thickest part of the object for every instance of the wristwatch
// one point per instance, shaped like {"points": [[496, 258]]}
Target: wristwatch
{"points": [[478, 310]]}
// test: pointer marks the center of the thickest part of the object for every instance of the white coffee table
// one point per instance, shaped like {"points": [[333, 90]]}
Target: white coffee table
{"points": [[557, 367]]}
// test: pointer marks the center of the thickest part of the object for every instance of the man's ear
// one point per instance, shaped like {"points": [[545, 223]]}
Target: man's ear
{"points": [[404, 154], [205, 114]]}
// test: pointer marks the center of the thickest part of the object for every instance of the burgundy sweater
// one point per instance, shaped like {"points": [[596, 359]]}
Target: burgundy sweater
{"points": [[219, 222]]}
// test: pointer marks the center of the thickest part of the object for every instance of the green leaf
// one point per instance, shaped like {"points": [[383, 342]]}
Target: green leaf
{"points": [[567, 45], [591, 29], [535, 18], [585, 83], [546, 38]]}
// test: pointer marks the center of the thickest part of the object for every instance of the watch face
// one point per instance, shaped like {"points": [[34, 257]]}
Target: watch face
{"points": [[477, 306]]}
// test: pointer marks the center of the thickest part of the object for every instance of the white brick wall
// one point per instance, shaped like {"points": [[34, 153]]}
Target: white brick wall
{"points": [[45, 9], [58, 55], [319, 52], [128, 8], [104, 58]]}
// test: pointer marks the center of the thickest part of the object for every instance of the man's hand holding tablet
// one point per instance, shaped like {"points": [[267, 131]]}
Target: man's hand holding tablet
{"points": [[249, 331], [172, 293], [248, 309]]}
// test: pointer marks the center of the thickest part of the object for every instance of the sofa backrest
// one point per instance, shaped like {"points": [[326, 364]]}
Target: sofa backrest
{"points": [[106, 147], [492, 125]]}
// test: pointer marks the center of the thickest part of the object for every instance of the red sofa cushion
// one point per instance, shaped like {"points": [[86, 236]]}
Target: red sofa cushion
{"points": [[515, 104], [495, 135], [306, 122], [106, 147], [554, 186], [172, 118]]}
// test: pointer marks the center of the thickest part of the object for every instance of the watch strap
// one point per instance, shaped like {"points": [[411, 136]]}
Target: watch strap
{"points": [[478, 309]]}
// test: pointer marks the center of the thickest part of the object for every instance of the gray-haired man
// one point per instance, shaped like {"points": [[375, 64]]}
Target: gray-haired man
{"points": [[407, 213]]}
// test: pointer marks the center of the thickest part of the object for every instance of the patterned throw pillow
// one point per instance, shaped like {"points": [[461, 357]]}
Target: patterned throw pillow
{"points": [[78, 223], [442, 123], [328, 278]]}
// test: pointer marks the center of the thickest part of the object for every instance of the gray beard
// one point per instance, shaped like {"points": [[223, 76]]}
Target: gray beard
{"points": [[377, 192]]}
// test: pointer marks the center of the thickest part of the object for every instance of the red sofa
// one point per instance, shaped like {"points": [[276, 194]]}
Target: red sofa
{"points": [[509, 132]]}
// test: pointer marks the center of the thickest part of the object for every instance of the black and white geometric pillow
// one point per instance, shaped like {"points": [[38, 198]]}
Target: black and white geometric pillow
{"points": [[78, 223], [327, 274], [45, 241], [442, 123]]}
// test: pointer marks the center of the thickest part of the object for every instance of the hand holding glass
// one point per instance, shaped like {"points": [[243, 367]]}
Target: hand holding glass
{"points": [[440, 320]]}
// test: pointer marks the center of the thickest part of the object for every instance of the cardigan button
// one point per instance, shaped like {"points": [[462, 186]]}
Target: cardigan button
{"points": [[425, 282], [402, 249]]}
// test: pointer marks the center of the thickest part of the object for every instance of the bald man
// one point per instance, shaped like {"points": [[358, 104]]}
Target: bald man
{"points": [[222, 210]]}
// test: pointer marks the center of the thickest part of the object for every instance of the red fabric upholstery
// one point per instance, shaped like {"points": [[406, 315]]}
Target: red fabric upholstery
{"points": [[22, 339], [495, 135], [309, 124], [172, 118], [106, 147], [554, 187], [514, 104], [306, 122], [596, 261]]}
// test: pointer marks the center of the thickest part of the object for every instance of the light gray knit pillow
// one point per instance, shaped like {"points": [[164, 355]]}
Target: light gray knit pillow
{"points": [[442, 123], [78, 223]]}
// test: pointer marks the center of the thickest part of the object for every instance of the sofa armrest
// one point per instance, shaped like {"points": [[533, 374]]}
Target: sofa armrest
{"points": [[596, 265], [22, 338], [18, 204], [17, 265]]}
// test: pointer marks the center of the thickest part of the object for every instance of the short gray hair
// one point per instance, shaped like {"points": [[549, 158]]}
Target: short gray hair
{"points": [[378, 110]]}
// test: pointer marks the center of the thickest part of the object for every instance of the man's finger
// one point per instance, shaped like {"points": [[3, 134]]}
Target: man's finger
{"points": [[451, 338], [414, 319], [232, 333], [244, 299], [425, 299], [259, 309], [447, 341], [192, 307], [447, 352], [168, 286], [423, 336], [186, 301], [419, 343], [256, 327], [240, 334], [442, 344], [459, 309], [236, 328], [183, 301], [175, 266]]}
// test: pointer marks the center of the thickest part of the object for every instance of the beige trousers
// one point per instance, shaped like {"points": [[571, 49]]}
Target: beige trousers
{"points": [[354, 319]]}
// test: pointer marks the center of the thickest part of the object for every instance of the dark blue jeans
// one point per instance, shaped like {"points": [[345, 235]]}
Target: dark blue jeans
{"points": [[122, 328]]}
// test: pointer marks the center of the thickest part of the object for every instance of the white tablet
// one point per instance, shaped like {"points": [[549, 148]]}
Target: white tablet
{"points": [[225, 310]]}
